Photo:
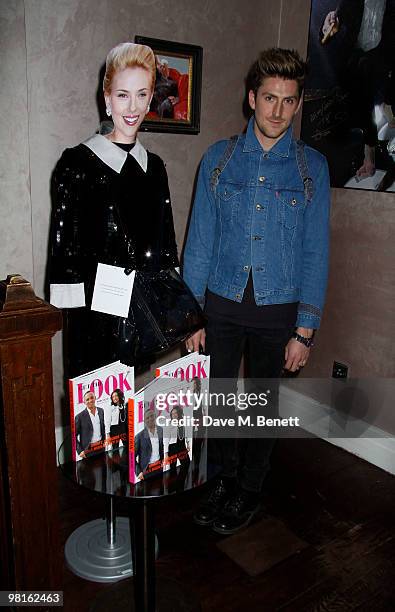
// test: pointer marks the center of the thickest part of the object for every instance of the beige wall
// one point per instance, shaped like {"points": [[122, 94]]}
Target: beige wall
{"points": [[359, 323], [16, 229], [358, 328]]}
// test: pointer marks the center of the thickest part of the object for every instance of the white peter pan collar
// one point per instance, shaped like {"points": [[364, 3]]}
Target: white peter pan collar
{"points": [[114, 156]]}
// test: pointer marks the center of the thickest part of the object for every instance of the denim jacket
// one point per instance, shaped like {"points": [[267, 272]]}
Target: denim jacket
{"points": [[257, 218]]}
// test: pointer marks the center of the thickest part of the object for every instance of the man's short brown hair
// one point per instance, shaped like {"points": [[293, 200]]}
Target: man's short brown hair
{"points": [[276, 62]]}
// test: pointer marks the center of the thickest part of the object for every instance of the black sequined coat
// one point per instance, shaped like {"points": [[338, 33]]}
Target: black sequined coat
{"points": [[99, 215]]}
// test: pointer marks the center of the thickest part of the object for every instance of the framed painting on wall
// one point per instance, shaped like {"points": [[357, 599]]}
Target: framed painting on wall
{"points": [[349, 102], [175, 106]]}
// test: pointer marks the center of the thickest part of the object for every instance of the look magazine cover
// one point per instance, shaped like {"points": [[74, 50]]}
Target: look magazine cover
{"points": [[161, 425], [98, 409], [195, 369]]}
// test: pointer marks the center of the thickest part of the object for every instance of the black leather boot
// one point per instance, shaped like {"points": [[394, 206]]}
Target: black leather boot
{"points": [[213, 504], [237, 513]]}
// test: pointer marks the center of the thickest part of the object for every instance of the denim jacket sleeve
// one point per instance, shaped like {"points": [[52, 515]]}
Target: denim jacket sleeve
{"points": [[314, 273], [201, 235]]}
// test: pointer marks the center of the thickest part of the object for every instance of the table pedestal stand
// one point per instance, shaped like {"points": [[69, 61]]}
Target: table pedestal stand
{"points": [[145, 593], [100, 550]]}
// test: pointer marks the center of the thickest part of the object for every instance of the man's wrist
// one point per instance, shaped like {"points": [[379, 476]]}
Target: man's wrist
{"points": [[306, 332], [305, 336]]}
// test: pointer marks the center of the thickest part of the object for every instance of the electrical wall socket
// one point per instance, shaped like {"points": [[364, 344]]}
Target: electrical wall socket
{"points": [[340, 370]]}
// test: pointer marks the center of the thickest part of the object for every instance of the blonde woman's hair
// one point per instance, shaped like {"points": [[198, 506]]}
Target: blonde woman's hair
{"points": [[128, 55]]}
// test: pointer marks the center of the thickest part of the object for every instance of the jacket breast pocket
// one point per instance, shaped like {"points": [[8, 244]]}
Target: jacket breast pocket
{"points": [[229, 197], [290, 204]]}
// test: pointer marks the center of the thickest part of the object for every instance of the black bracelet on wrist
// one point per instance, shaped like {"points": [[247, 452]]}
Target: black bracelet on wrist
{"points": [[309, 342]]}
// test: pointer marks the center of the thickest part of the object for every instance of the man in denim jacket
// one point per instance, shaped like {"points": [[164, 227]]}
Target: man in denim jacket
{"points": [[257, 255]]}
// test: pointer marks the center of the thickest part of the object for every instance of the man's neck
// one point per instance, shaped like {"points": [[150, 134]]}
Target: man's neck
{"points": [[92, 410], [265, 142]]}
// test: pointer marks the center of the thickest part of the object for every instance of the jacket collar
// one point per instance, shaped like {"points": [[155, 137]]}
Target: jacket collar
{"points": [[114, 156], [281, 148]]}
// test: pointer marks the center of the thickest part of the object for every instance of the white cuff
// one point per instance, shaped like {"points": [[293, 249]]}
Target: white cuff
{"points": [[70, 295]]}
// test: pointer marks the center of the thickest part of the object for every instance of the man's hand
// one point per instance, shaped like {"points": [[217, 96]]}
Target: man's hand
{"points": [[193, 342], [296, 355], [366, 170], [140, 476], [330, 26], [368, 167], [83, 455]]}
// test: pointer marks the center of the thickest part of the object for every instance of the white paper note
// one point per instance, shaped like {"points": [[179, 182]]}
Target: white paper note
{"points": [[113, 290], [67, 295]]}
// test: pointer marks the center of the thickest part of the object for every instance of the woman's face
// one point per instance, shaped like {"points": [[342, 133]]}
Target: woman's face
{"points": [[129, 100], [115, 398], [174, 414]]}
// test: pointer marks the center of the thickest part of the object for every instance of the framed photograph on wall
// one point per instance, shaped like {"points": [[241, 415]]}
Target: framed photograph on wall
{"points": [[349, 100], [175, 105]]}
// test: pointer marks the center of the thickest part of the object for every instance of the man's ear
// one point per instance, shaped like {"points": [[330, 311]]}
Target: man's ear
{"points": [[299, 103], [251, 99]]}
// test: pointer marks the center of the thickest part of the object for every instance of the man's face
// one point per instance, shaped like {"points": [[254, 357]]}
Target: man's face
{"points": [[149, 419], [275, 104], [164, 69], [90, 400]]}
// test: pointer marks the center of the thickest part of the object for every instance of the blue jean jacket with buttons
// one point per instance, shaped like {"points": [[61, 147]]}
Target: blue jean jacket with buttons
{"points": [[257, 218]]}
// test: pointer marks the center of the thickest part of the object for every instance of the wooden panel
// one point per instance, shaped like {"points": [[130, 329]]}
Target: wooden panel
{"points": [[29, 498]]}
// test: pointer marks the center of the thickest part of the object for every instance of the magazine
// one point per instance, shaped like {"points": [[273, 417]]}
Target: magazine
{"points": [[98, 409], [160, 428], [194, 369], [189, 367]]}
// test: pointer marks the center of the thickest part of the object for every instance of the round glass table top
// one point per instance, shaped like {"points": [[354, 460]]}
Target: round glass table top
{"points": [[108, 473]]}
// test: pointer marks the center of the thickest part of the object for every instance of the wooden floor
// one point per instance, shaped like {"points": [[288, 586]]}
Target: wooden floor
{"points": [[340, 505]]}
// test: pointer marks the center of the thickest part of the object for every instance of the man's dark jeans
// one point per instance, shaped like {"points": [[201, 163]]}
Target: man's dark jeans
{"points": [[245, 458]]}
